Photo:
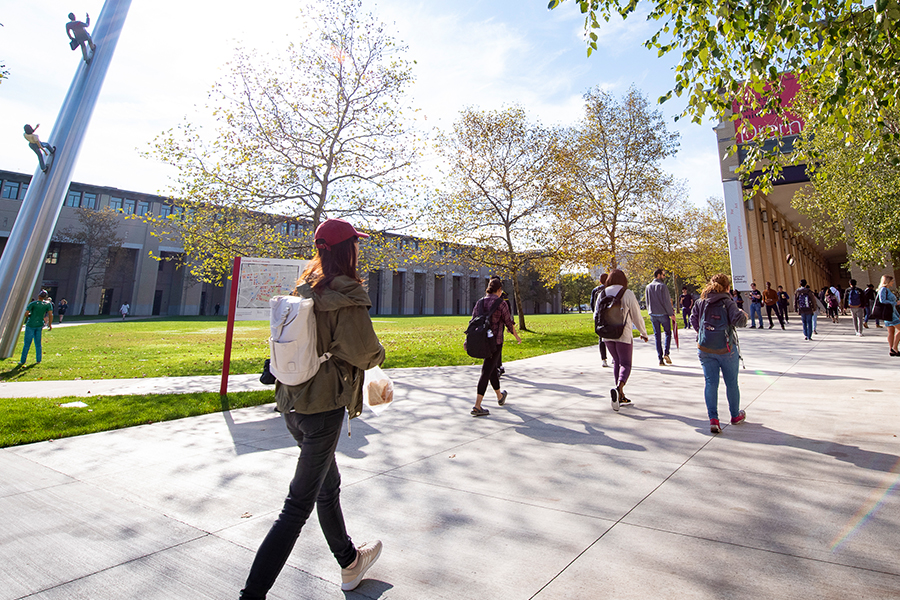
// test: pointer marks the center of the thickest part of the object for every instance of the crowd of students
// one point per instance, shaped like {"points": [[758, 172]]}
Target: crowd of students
{"points": [[716, 315]]}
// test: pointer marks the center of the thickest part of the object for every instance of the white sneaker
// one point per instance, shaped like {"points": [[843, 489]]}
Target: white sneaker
{"points": [[366, 555], [605, 364]]}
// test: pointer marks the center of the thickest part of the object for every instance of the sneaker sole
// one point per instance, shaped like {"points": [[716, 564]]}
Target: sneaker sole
{"points": [[614, 393]]}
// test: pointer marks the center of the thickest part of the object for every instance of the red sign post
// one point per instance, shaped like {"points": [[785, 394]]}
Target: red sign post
{"points": [[229, 331]]}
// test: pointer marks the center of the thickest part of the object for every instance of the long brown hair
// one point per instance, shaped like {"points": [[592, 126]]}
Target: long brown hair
{"points": [[328, 264], [719, 284], [617, 277]]}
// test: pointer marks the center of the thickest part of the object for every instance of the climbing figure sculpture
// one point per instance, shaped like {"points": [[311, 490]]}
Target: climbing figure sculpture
{"points": [[39, 147], [78, 36]]}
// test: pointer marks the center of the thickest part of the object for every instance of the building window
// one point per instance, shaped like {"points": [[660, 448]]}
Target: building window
{"points": [[89, 200], [73, 199], [52, 254], [128, 206], [115, 204], [143, 207], [165, 210], [10, 190], [23, 191]]}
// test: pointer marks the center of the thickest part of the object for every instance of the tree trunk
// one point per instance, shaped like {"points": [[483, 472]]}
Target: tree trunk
{"points": [[520, 308]]}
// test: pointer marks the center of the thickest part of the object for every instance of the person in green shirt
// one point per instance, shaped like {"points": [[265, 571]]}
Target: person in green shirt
{"points": [[37, 312]]}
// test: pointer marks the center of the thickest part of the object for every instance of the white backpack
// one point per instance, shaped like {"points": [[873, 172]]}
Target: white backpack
{"points": [[294, 358]]}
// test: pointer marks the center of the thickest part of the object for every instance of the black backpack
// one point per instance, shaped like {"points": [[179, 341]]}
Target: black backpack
{"points": [[715, 330], [609, 316], [480, 340]]}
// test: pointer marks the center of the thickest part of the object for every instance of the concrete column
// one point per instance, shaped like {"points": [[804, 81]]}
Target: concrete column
{"points": [[429, 292]]}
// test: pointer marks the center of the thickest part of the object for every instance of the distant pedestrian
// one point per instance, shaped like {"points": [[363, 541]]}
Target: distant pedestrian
{"points": [[314, 411], [853, 298], [78, 35], [770, 299], [622, 348], [124, 309], [869, 296], [216, 309], [739, 300], [62, 308], [500, 318], [686, 300], [594, 293], [784, 302], [831, 303], [805, 305], [887, 295], [755, 306], [662, 314], [37, 313], [39, 147], [715, 318]]}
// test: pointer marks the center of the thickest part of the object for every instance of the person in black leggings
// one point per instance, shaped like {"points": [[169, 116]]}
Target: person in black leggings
{"points": [[500, 319]]}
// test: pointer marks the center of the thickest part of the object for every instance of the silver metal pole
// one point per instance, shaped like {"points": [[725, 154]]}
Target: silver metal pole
{"points": [[26, 248]]}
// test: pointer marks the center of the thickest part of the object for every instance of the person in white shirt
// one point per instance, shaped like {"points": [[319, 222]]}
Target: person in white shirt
{"points": [[622, 348]]}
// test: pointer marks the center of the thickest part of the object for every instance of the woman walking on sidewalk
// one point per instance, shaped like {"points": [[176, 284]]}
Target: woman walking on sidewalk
{"points": [[886, 295], [500, 319], [314, 411], [622, 348], [715, 318]]}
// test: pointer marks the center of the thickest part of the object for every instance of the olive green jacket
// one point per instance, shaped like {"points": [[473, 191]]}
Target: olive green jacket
{"points": [[344, 329]]}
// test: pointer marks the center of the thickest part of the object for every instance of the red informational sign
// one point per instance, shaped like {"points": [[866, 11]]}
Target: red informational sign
{"points": [[761, 127]]}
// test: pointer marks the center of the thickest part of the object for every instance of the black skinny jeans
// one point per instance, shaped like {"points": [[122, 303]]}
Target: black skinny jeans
{"points": [[316, 482], [489, 371]]}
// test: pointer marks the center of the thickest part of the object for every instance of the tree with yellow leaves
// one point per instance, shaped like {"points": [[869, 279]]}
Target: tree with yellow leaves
{"points": [[315, 133]]}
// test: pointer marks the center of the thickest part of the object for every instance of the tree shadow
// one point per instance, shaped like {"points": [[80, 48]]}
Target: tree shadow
{"points": [[540, 431], [757, 433]]}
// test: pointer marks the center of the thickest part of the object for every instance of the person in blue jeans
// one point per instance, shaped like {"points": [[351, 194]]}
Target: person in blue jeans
{"points": [[726, 360], [755, 306], [36, 314], [805, 303], [662, 314]]}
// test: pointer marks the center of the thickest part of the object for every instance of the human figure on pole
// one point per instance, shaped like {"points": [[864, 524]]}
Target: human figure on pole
{"points": [[39, 147], [78, 36]]}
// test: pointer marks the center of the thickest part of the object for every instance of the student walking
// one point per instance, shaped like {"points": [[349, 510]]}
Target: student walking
{"points": [[662, 314], [869, 301], [62, 308], [853, 298], [500, 318], [805, 303], [622, 348], [594, 293], [314, 411], [37, 313], [784, 301], [831, 303], [715, 317], [124, 310], [770, 299], [755, 306], [736, 296], [686, 300], [887, 295]]}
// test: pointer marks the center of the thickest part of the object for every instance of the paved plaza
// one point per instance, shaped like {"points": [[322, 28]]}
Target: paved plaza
{"points": [[554, 496]]}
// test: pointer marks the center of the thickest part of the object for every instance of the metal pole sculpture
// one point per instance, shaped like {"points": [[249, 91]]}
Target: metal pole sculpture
{"points": [[26, 248]]}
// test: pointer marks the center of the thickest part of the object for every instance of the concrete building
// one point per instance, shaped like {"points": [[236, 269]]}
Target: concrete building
{"points": [[766, 238], [154, 287]]}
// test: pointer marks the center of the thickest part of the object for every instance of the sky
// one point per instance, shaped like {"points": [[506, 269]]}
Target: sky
{"points": [[467, 53]]}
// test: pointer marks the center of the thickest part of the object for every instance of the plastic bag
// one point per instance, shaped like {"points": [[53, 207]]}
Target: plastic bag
{"points": [[378, 390]]}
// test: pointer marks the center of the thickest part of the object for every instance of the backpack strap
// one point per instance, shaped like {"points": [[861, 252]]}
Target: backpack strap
{"points": [[493, 308]]}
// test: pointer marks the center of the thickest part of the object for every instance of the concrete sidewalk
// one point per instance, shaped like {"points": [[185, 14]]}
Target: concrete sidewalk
{"points": [[552, 496]]}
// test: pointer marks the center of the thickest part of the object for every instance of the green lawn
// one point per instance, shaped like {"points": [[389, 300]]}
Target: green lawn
{"points": [[26, 420], [185, 346]]}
